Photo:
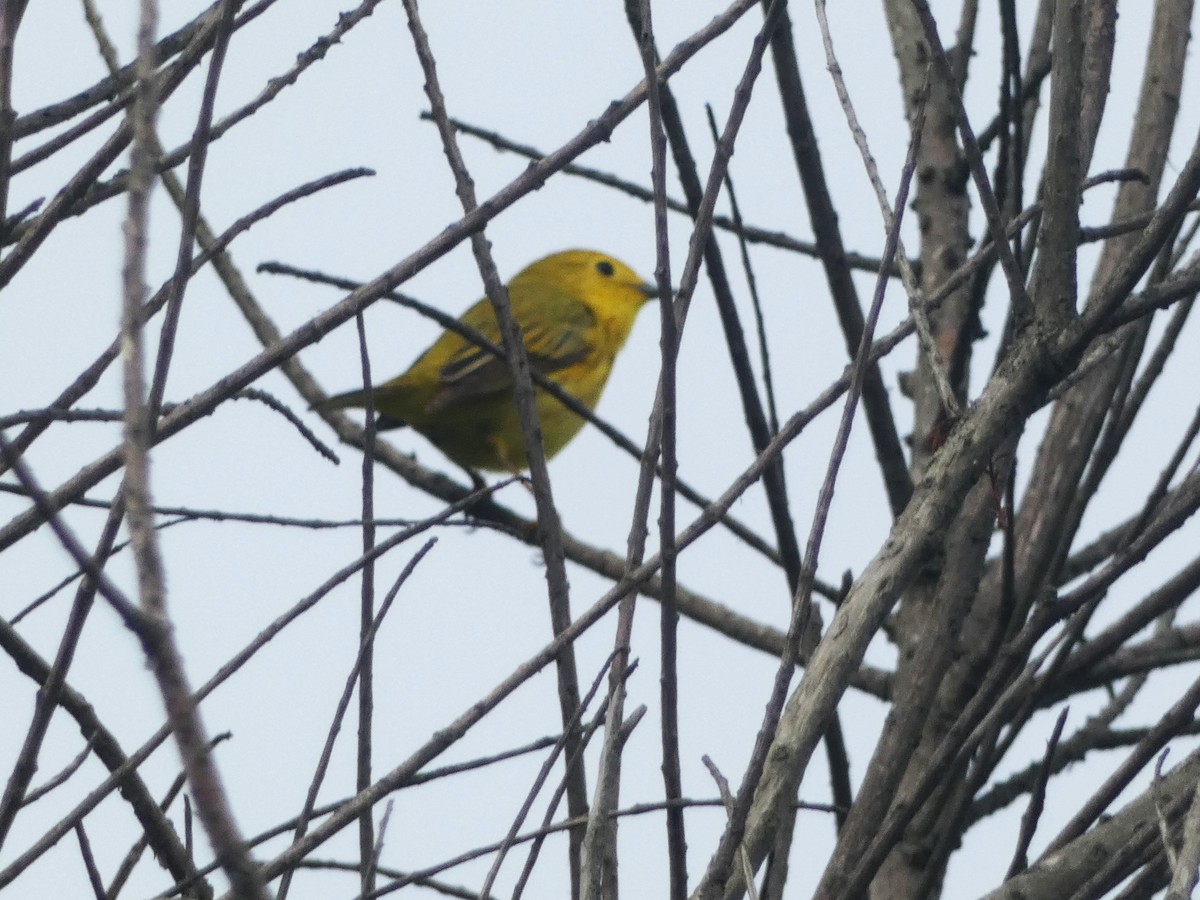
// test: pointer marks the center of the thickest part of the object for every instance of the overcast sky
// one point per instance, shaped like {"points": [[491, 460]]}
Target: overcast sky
{"points": [[475, 608]]}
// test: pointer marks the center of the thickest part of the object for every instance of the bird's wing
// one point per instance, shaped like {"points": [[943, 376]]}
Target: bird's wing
{"points": [[552, 345]]}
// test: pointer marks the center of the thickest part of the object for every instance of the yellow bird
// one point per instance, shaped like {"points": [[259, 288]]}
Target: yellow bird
{"points": [[575, 310]]}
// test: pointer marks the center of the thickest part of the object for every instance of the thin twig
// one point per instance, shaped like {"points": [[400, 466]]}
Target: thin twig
{"points": [[600, 719], [353, 679], [540, 779], [1037, 801], [89, 862], [91, 375], [1182, 712], [719, 868], [62, 777], [56, 692], [125, 869], [65, 201], [733, 224], [549, 524], [368, 624], [10, 22], [668, 398], [843, 293], [121, 772], [727, 801], [190, 211], [739, 230], [154, 630], [916, 303], [1164, 827], [189, 513]]}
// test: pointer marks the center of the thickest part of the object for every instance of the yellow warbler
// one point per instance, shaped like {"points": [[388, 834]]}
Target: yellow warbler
{"points": [[575, 310]]}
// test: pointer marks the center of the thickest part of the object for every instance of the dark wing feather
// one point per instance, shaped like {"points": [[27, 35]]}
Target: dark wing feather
{"points": [[474, 372]]}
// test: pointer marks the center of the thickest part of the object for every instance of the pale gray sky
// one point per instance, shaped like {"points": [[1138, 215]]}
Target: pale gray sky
{"points": [[535, 71]]}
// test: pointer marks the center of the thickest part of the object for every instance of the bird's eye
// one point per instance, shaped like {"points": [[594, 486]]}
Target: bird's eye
{"points": [[605, 268]]}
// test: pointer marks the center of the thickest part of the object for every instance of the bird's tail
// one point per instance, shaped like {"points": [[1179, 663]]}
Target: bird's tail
{"points": [[348, 400], [357, 400]]}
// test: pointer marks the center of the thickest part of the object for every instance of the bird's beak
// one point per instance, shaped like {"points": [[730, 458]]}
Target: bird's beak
{"points": [[648, 289]]}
